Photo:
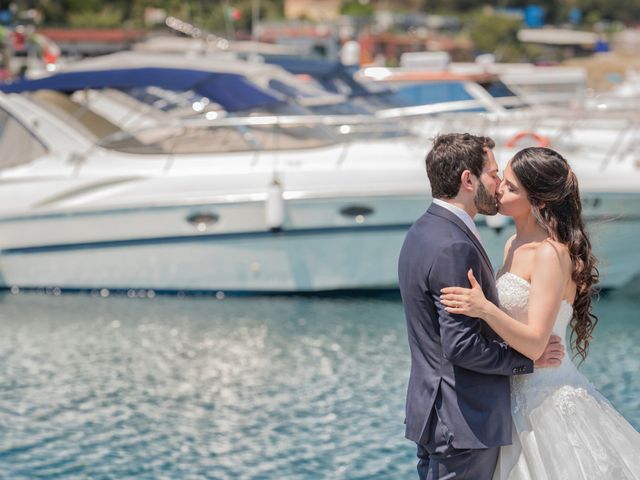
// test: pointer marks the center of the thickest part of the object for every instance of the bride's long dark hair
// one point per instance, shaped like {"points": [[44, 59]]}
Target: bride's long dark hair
{"points": [[552, 189]]}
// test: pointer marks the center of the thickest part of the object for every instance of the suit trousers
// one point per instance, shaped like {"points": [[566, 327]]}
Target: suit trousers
{"points": [[439, 460]]}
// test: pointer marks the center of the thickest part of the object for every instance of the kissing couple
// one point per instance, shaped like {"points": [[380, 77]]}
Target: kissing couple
{"points": [[491, 394]]}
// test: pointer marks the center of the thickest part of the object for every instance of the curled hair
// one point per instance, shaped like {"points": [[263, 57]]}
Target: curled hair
{"points": [[552, 189], [452, 154]]}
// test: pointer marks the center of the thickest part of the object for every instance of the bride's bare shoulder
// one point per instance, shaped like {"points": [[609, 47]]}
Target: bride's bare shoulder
{"points": [[552, 251]]}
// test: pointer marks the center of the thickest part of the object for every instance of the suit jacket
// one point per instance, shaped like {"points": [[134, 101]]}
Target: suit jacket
{"points": [[460, 368]]}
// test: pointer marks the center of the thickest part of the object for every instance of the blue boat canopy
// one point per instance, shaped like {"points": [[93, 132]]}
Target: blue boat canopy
{"points": [[336, 77], [327, 73], [232, 91]]}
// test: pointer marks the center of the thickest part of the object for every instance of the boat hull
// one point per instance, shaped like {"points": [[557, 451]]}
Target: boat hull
{"points": [[324, 245]]}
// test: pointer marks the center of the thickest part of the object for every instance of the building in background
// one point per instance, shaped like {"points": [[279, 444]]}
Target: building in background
{"points": [[316, 10]]}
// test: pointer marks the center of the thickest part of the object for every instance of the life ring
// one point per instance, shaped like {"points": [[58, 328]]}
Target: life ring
{"points": [[541, 140]]}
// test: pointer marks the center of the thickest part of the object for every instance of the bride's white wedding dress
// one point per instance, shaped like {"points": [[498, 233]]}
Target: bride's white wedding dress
{"points": [[563, 428]]}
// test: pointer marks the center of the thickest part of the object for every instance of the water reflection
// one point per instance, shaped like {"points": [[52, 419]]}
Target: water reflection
{"points": [[239, 388]]}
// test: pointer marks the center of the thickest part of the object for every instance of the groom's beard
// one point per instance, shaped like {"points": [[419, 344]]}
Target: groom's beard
{"points": [[485, 203]]}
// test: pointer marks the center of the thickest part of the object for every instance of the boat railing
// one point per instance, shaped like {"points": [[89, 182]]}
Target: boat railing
{"points": [[619, 131], [281, 132], [249, 133]]}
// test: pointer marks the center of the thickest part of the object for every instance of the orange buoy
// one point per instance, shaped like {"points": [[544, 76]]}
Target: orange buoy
{"points": [[541, 140]]}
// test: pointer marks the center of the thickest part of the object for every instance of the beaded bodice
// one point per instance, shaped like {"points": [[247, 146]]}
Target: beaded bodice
{"points": [[513, 292], [528, 391]]}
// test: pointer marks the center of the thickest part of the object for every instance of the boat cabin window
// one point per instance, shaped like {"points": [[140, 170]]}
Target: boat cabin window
{"points": [[18, 146], [433, 92], [503, 94], [497, 89]]}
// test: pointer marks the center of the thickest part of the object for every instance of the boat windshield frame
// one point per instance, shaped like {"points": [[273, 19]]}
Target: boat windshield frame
{"points": [[226, 133]]}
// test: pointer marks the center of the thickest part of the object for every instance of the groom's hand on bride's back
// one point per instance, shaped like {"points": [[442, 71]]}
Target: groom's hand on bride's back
{"points": [[552, 355]]}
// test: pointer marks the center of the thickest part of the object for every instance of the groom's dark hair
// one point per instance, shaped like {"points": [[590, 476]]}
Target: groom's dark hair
{"points": [[451, 154]]}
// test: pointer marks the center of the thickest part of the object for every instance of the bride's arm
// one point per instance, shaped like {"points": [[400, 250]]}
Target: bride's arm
{"points": [[548, 281]]}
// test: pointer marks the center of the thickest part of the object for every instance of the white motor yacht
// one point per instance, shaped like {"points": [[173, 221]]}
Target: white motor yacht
{"points": [[243, 204], [238, 204]]}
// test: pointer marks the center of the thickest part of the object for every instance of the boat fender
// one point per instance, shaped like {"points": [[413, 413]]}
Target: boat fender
{"points": [[274, 206], [497, 222], [541, 140]]}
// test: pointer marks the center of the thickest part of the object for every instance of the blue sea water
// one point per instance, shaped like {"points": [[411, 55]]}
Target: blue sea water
{"points": [[239, 388]]}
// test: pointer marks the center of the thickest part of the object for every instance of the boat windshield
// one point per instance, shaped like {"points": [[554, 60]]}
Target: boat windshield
{"points": [[210, 132], [503, 94], [430, 93], [18, 146], [189, 104], [217, 139]]}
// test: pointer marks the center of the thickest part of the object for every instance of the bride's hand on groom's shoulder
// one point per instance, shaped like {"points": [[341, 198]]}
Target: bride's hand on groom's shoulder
{"points": [[465, 301]]}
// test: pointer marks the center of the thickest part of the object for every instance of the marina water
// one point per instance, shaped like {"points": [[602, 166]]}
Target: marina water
{"points": [[239, 388]]}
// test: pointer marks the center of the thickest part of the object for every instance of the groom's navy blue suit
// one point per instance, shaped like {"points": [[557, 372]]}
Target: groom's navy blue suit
{"points": [[458, 400]]}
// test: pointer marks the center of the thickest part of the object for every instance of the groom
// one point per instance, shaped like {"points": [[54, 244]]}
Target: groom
{"points": [[458, 399]]}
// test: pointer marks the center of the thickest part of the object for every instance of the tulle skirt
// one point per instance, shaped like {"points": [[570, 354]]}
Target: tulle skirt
{"points": [[566, 432]]}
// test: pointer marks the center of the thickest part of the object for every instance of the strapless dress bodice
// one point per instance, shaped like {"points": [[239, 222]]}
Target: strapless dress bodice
{"points": [[513, 292], [528, 391]]}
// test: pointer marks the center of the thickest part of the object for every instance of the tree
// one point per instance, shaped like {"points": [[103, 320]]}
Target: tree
{"points": [[489, 30], [356, 8]]}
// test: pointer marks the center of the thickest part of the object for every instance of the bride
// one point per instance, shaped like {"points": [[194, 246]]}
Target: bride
{"points": [[563, 427]]}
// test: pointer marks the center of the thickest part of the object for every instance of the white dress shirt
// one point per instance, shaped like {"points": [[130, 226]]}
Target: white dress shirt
{"points": [[461, 214]]}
